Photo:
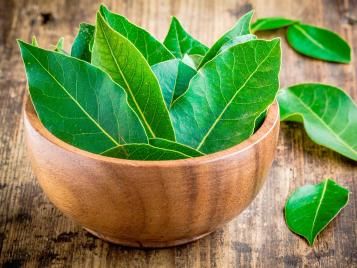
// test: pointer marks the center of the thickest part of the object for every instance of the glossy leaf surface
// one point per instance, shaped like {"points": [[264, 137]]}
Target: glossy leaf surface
{"points": [[78, 102], [240, 28], [81, 47], [329, 115], [126, 65], [311, 207], [165, 144], [179, 42], [143, 152], [271, 23], [223, 100], [152, 49], [174, 77], [237, 40], [192, 60], [318, 43]]}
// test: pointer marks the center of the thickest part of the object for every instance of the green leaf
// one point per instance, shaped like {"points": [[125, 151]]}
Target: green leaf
{"points": [[113, 53], [34, 41], [179, 42], [174, 77], [328, 113], [78, 102], [83, 42], [237, 40], [144, 152], [225, 97], [165, 144], [312, 207], [318, 43], [271, 23], [240, 28], [153, 50], [192, 60], [259, 121], [59, 45]]}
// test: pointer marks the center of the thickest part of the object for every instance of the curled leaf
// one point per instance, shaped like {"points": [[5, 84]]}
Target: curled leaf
{"points": [[329, 115]]}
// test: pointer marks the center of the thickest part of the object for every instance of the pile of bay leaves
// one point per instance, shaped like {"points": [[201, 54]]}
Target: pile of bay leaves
{"points": [[124, 94]]}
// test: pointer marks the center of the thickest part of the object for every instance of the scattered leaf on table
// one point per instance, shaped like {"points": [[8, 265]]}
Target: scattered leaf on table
{"points": [[81, 47], [271, 23], [78, 102], [237, 40], [152, 49], [174, 77], [318, 43], [312, 207], [328, 113], [126, 65], [240, 28], [220, 107], [143, 152], [192, 60], [171, 145], [179, 42]]}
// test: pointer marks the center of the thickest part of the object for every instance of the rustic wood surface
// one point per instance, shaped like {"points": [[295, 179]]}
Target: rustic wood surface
{"points": [[33, 233]]}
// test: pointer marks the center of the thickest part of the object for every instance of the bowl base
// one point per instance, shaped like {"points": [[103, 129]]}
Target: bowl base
{"points": [[146, 244]]}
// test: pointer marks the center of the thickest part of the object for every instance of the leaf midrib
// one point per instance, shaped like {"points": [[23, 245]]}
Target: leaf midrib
{"points": [[318, 209], [231, 100], [127, 84], [76, 102], [323, 122], [314, 41]]}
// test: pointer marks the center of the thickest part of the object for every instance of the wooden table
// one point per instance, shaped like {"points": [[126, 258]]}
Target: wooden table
{"points": [[34, 233]]}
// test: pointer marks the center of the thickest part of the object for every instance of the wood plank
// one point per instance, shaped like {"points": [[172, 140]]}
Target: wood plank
{"points": [[34, 233]]}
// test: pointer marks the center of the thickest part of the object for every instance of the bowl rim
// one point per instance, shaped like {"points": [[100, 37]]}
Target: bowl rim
{"points": [[269, 124]]}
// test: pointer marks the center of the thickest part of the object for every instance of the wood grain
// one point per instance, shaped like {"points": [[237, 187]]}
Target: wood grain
{"points": [[151, 203], [35, 234]]}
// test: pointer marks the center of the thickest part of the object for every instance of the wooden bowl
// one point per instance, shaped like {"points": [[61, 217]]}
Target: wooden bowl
{"points": [[150, 203]]}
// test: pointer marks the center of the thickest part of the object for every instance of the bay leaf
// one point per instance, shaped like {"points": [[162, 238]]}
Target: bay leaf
{"points": [[312, 207], [116, 55], [152, 49], [34, 41], [179, 42], [81, 47], [59, 45], [192, 60], [174, 77], [225, 97], [329, 115], [242, 27], [318, 43], [143, 152], [175, 146], [271, 23], [78, 102]]}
